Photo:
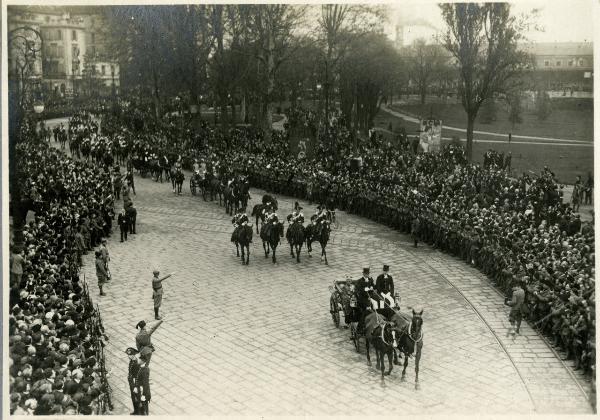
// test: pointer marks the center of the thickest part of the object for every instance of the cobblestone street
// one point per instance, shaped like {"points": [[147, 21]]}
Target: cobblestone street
{"points": [[259, 339]]}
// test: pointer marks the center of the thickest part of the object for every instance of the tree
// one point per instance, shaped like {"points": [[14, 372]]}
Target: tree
{"points": [[483, 40], [339, 25], [515, 108], [367, 70], [272, 27], [426, 64]]}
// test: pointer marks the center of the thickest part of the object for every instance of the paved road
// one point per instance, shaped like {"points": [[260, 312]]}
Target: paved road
{"points": [[259, 339]]}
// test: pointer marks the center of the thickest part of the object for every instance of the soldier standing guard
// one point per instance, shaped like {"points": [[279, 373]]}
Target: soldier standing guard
{"points": [[100, 272], [143, 385], [132, 375], [157, 293]]}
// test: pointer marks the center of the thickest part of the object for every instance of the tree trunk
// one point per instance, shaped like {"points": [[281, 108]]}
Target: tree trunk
{"points": [[423, 94], [470, 126], [267, 116]]}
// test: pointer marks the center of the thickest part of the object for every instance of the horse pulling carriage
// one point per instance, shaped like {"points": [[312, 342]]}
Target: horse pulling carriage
{"points": [[388, 330]]}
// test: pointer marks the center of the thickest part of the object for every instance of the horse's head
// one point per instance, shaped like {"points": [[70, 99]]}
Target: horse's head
{"points": [[416, 325], [390, 335]]}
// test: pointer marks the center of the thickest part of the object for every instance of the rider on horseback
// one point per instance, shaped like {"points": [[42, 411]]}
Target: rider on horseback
{"points": [[319, 218]]}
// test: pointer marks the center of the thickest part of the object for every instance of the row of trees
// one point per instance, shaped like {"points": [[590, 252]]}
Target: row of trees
{"points": [[255, 55]]}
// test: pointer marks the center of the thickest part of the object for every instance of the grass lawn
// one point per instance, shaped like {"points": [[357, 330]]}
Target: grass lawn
{"points": [[565, 161], [564, 124]]}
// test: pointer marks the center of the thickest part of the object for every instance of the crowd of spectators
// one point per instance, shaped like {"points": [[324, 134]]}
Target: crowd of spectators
{"points": [[56, 338], [512, 229]]}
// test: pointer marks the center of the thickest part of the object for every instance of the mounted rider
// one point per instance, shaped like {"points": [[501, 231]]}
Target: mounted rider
{"points": [[319, 218], [178, 163]]}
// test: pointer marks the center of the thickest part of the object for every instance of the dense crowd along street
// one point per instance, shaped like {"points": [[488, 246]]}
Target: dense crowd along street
{"points": [[514, 231]]}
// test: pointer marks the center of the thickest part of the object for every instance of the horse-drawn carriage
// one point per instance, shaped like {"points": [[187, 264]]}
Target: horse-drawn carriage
{"points": [[390, 332]]}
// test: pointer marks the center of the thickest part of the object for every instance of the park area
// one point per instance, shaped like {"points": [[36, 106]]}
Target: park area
{"points": [[564, 142]]}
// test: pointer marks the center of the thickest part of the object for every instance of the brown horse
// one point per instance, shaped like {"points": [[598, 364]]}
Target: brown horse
{"points": [[411, 339], [270, 238], [383, 336], [242, 237]]}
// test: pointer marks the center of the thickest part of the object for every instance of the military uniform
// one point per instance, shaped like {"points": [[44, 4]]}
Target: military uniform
{"points": [[132, 375]]}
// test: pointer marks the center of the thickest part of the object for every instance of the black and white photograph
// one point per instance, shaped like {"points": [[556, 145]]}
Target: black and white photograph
{"points": [[298, 209]]}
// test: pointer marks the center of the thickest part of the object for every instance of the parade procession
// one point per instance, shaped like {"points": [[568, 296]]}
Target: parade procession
{"points": [[278, 240]]}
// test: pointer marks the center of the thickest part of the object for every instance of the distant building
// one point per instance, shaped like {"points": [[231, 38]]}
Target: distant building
{"points": [[562, 66], [73, 58]]}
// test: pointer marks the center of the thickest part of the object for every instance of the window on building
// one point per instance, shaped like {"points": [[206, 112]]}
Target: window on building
{"points": [[93, 38], [58, 34], [581, 62], [558, 63], [570, 63], [546, 63], [61, 51], [103, 69], [92, 51], [47, 19], [73, 35], [74, 51]]}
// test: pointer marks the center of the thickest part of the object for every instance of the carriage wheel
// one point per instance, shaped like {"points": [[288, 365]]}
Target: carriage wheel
{"points": [[333, 308], [192, 187]]}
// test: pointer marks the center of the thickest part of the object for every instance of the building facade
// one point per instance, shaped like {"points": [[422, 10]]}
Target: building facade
{"points": [[67, 60], [562, 66]]}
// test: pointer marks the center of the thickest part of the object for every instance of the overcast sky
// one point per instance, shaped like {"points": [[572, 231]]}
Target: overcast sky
{"points": [[562, 20]]}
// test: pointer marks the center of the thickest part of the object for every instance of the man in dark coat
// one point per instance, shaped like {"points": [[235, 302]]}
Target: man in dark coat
{"points": [[143, 385], [385, 287], [132, 376], [123, 221], [415, 229], [364, 286], [131, 216]]}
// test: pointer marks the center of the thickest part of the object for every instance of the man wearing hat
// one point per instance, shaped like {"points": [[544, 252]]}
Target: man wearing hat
{"points": [[157, 293], [364, 286], [516, 304], [143, 384], [132, 375], [143, 340], [101, 272], [123, 221], [104, 252], [385, 287]]}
